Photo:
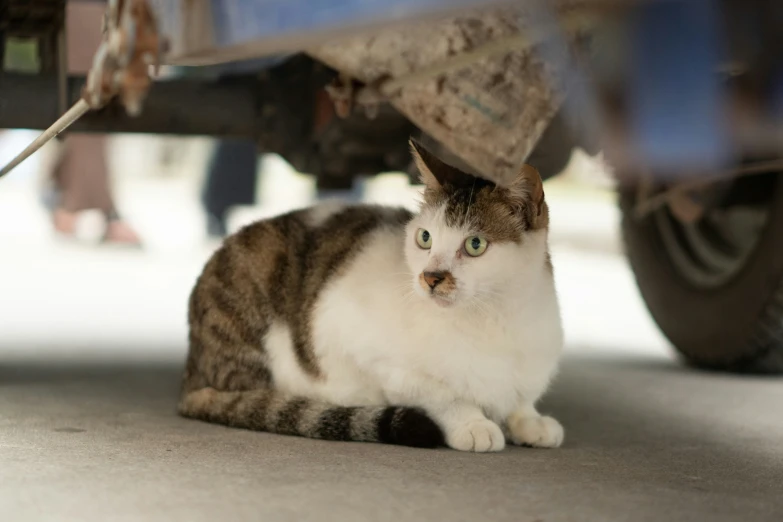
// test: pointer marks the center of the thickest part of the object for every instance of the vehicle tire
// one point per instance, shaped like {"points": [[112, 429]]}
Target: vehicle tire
{"points": [[715, 287]]}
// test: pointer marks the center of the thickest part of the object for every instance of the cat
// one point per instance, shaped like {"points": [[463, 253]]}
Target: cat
{"points": [[369, 323]]}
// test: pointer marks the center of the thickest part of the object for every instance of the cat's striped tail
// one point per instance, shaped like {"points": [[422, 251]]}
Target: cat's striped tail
{"points": [[271, 411]]}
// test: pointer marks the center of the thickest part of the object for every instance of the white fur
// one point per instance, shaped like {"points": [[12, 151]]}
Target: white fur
{"points": [[474, 366]]}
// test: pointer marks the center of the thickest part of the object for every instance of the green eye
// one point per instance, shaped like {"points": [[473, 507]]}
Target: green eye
{"points": [[475, 246], [423, 239]]}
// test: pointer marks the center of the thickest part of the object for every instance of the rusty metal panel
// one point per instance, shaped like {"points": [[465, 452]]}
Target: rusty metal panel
{"points": [[490, 113]]}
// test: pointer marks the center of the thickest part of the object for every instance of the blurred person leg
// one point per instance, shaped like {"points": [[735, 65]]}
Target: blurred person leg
{"points": [[81, 182], [231, 175], [231, 180]]}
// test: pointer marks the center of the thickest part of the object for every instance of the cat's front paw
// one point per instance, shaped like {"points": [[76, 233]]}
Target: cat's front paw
{"points": [[480, 435], [539, 432]]}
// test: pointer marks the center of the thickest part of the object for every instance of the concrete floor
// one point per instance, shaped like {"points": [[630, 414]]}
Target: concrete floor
{"points": [[91, 344], [646, 440]]}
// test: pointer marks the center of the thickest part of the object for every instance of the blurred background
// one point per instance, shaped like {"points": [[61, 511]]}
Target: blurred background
{"points": [[77, 297]]}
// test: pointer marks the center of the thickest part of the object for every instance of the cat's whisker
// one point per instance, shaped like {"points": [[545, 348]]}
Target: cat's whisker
{"points": [[487, 307], [406, 292], [477, 304], [409, 297], [483, 306], [491, 293], [404, 284]]}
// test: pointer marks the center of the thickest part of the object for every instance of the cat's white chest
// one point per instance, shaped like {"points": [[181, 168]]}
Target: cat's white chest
{"points": [[412, 348], [495, 364]]}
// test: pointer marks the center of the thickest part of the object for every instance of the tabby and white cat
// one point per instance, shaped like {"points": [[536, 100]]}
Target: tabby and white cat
{"points": [[366, 323]]}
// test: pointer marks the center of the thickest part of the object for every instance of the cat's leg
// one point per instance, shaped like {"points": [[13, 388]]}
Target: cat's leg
{"points": [[527, 427], [467, 428], [464, 424]]}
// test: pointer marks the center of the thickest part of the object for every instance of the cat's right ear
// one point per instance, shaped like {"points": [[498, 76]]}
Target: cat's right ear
{"points": [[437, 174], [423, 159]]}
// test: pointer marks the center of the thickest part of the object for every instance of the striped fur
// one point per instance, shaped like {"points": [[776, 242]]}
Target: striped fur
{"points": [[267, 410]]}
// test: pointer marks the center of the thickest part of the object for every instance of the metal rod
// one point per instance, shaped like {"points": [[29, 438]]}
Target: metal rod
{"points": [[229, 107], [74, 113]]}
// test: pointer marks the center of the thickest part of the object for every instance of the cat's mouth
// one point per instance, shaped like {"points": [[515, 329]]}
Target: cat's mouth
{"points": [[442, 300]]}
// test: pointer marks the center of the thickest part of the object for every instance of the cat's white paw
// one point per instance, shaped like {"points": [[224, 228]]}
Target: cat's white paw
{"points": [[539, 432], [480, 435]]}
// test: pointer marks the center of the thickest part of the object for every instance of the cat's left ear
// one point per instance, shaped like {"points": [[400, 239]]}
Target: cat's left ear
{"points": [[526, 192]]}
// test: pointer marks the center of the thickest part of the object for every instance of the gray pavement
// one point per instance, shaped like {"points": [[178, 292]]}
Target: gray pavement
{"points": [[646, 440]]}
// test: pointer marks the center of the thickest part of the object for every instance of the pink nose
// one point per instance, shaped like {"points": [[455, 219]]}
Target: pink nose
{"points": [[433, 279]]}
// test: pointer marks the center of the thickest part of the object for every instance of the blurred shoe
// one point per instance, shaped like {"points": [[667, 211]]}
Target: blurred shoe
{"points": [[120, 233], [64, 222]]}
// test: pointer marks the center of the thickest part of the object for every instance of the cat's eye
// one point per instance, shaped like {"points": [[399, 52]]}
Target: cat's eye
{"points": [[475, 246], [423, 239]]}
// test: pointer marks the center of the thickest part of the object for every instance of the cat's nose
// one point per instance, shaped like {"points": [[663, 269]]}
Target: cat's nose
{"points": [[433, 279]]}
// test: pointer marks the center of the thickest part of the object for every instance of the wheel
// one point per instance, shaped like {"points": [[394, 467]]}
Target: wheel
{"points": [[715, 286]]}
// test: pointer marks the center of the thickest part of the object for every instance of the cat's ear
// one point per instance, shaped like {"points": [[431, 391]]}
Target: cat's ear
{"points": [[424, 159], [526, 192], [435, 173]]}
